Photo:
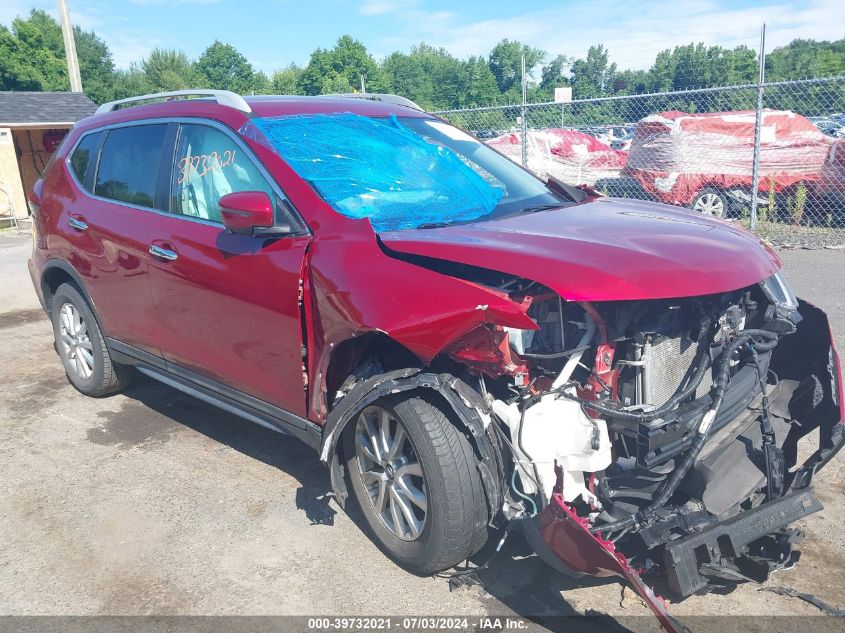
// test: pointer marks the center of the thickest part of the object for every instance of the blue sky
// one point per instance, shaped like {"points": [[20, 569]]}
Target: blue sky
{"points": [[273, 33]]}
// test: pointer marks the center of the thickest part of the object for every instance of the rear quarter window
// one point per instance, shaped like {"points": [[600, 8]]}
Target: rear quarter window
{"points": [[84, 156], [129, 163]]}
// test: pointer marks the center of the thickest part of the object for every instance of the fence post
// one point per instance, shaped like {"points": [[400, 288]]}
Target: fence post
{"points": [[524, 126], [758, 125]]}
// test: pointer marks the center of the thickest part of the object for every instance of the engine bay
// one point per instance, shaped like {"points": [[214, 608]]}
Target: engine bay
{"points": [[655, 421]]}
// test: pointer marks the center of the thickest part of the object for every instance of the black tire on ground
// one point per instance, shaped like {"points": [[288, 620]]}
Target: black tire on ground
{"points": [[455, 519], [711, 201], [105, 375]]}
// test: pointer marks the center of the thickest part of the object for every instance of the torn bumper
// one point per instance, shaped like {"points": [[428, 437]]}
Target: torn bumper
{"points": [[684, 559], [566, 535]]}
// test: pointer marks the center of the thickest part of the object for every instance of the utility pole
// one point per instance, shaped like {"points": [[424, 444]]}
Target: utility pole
{"points": [[363, 87], [758, 126], [70, 48]]}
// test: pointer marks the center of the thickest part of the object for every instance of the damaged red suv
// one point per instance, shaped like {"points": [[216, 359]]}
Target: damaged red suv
{"points": [[466, 346]]}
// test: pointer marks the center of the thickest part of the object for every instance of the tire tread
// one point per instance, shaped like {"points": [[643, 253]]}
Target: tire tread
{"points": [[114, 377]]}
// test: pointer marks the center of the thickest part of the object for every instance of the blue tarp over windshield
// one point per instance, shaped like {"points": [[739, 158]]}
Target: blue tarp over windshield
{"points": [[378, 169]]}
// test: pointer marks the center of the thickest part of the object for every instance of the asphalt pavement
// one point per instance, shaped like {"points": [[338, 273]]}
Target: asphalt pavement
{"points": [[151, 502]]}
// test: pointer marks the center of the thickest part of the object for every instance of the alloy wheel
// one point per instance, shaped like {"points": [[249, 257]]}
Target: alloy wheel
{"points": [[710, 204], [391, 473], [75, 343]]}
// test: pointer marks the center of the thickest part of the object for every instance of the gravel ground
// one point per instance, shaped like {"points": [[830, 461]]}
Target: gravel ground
{"points": [[151, 502]]}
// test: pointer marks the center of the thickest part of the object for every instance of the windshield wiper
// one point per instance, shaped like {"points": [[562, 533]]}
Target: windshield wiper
{"points": [[433, 225], [540, 207]]}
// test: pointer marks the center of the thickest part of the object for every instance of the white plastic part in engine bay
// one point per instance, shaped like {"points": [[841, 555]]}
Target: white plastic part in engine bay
{"points": [[556, 430]]}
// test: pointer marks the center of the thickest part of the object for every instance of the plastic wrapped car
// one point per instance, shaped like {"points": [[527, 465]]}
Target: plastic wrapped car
{"points": [[568, 155], [704, 161]]}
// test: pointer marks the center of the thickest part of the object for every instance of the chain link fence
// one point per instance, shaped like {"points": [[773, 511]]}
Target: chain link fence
{"points": [[704, 149]]}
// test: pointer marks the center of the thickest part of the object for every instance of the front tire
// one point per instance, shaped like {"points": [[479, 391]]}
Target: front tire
{"points": [[416, 480], [710, 201], [82, 347]]}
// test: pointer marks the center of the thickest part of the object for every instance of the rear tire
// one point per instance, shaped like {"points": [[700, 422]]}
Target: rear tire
{"points": [[423, 500], [82, 347]]}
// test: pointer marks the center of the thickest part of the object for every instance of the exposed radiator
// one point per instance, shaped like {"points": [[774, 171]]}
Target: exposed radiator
{"points": [[665, 363]]}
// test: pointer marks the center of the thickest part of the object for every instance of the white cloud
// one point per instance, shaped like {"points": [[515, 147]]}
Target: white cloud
{"points": [[633, 36], [128, 47], [378, 7]]}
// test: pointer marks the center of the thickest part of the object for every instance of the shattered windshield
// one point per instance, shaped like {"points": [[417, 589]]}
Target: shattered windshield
{"points": [[400, 173]]}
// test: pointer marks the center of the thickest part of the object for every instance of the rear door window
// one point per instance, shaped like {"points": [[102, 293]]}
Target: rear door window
{"points": [[129, 163], [84, 157]]}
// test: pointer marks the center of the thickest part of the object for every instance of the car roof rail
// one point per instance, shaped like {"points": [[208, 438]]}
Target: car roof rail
{"points": [[223, 97], [378, 96]]}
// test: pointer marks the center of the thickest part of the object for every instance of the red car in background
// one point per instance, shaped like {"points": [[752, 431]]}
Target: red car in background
{"points": [[469, 349], [567, 155], [704, 161]]}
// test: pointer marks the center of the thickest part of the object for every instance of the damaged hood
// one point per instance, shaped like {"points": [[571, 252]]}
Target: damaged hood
{"points": [[604, 249]]}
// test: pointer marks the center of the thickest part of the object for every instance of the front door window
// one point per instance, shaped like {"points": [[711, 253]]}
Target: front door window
{"points": [[209, 165]]}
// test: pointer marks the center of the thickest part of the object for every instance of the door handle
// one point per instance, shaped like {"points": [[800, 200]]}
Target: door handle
{"points": [[77, 223], [163, 253]]}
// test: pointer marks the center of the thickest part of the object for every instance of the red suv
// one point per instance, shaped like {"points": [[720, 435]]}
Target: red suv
{"points": [[468, 348]]}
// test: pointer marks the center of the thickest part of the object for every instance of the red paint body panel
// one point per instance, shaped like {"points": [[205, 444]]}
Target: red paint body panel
{"points": [[567, 536], [111, 256], [605, 249], [228, 308], [355, 288]]}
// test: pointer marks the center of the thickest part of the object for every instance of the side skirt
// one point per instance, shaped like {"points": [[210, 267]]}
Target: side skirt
{"points": [[217, 394]]}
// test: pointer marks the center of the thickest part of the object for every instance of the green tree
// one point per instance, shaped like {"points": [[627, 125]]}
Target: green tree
{"points": [[96, 67], [742, 65], [505, 62], [806, 58], [16, 70], [631, 82], [131, 83], [433, 77], [555, 74], [260, 83], [593, 76], [286, 81], [341, 68], [662, 72], [170, 69], [32, 57], [697, 65], [35, 53], [224, 68], [476, 84], [406, 75]]}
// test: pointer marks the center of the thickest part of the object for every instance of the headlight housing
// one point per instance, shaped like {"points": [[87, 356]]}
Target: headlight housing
{"points": [[779, 292]]}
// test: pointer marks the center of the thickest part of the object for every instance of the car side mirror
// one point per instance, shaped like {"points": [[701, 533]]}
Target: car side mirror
{"points": [[249, 213]]}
